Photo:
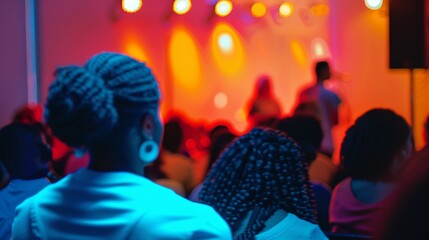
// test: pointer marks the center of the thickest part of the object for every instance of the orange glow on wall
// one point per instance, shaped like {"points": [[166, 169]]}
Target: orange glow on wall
{"points": [[319, 9], [240, 115], [298, 53], [184, 60], [131, 6], [227, 49], [258, 9], [136, 51]]}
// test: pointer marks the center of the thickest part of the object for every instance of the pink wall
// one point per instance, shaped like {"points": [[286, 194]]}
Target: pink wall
{"points": [[13, 85]]}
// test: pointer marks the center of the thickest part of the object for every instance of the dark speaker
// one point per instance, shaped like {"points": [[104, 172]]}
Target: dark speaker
{"points": [[409, 34]]}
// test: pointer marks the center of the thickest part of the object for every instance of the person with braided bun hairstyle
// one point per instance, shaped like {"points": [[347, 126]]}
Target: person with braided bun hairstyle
{"points": [[373, 154], [259, 185], [110, 107]]}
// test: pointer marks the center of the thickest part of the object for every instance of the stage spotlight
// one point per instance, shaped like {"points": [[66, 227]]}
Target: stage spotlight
{"points": [[220, 100], [182, 6], [223, 8], [225, 42], [131, 6], [374, 4], [258, 9], [286, 9]]}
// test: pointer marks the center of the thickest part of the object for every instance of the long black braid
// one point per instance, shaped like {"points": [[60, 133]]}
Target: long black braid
{"points": [[263, 168]]}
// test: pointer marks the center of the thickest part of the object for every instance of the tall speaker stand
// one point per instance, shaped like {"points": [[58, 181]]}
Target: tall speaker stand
{"points": [[412, 100]]}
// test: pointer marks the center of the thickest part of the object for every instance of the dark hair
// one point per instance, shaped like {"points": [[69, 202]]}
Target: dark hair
{"points": [[219, 142], [173, 136], [23, 152], [85, 103], [262, 169], [427, 127], [306, 131], [321, 66], [368, 149]]}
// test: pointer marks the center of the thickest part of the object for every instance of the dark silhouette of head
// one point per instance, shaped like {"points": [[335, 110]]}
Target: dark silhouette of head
{"points": [[323, 71], [262, 169], [306, 131], [376, 145], [173, 136], [23, 151], [109, 106], [219, 142]]}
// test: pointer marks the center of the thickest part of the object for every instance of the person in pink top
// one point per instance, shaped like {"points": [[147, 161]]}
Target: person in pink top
{"points": [[373, 152]]}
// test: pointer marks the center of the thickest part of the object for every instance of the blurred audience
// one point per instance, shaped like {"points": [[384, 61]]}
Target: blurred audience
{"points": [[373, 153], [174, 164], [259, 185], [220, 137], [307, 132], [24, 157]]}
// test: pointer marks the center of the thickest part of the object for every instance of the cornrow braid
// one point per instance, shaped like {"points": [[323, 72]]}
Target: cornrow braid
{"points": [[85, 103], [263, 168]]}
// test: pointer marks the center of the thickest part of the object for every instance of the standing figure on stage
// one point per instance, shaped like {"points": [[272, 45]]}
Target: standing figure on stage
{"points": [[321, 103], [263, 106]]}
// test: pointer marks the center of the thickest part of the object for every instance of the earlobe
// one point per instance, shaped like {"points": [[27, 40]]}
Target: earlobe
{"points": [[148, 125]]}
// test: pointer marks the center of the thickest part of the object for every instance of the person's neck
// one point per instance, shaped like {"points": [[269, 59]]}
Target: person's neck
{"points": [[110, 163], [272, 221], [371, 191]]}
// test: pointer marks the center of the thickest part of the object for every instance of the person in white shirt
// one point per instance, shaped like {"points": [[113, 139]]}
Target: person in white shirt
{"points": [[259, 185], [110, 107]]}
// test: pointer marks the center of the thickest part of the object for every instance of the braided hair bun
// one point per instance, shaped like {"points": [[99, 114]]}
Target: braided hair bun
{"points": [[85, 103]]}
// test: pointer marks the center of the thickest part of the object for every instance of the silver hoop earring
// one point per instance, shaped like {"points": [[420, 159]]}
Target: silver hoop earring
{"points": [[148, 151]]}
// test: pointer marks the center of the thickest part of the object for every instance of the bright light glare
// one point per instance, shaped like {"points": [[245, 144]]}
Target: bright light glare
{"points": [[258, 9], [220, 100], [182, 6], [131, 6], [223, 8], [374, 4], [286, 9], [225, 42]]}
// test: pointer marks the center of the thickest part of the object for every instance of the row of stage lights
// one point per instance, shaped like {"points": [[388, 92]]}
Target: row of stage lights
{"points": [[224, 7]]}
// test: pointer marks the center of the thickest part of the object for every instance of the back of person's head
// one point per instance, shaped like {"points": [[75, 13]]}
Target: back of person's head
{"points": [[322, 70], [306, 131], [23, 151], [218, 143], [173, 136], [370, 148], [260, 170], [86, 103], [30, 114], [263, 85]]}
